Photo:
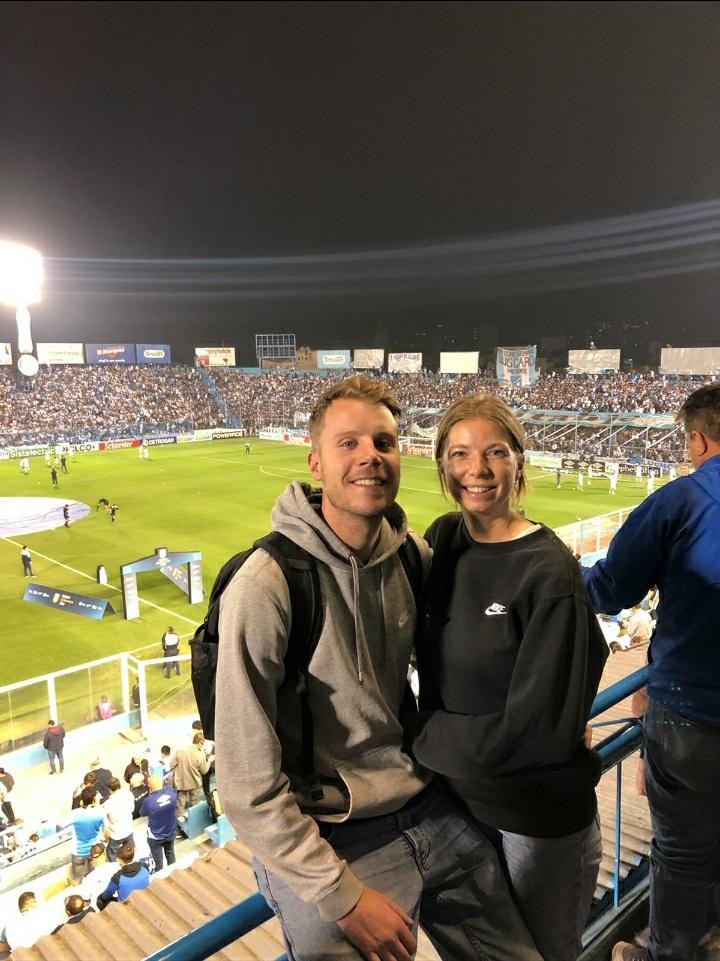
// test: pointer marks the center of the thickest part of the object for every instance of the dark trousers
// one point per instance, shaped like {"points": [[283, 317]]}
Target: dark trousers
{"points": [[682, 777], [160, 846]]}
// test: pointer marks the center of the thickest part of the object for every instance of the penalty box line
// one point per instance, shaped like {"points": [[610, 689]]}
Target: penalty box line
{"points": [[89, 577]]}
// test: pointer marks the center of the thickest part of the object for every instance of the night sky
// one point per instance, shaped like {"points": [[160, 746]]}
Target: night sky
{"points": [[404, 175]]}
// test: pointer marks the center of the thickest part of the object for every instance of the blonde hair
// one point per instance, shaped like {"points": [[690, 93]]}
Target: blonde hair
{"points": [[491, 408], [357, 387]]}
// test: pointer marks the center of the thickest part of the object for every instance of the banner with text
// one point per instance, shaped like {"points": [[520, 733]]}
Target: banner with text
{"points": [[690, 360], [516, 365], [333, 359], [67, 601], [5, 355], [459, 361], [110, 353], [407, 363], [153, 353], [593, 361], [215, 356], [372, 359], [60, 354]]}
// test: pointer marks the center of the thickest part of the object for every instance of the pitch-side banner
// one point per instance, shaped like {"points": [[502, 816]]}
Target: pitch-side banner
{"points": [[690, 360], [368, 359], [404, 363], [593, 361], [215, 356], [459, 362], [516, 365], [60, 354], [110, 353], [153, 353], [5, 355], [333, 359]]}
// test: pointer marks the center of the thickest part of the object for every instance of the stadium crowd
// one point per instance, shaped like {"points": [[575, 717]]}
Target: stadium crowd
{"points": [[99, 402]]}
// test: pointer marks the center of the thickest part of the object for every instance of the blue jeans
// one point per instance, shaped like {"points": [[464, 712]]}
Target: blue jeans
{"points": [[682, 778], [59, 755], [158, 846], [432, 860], [553, 881], [112, 847]]}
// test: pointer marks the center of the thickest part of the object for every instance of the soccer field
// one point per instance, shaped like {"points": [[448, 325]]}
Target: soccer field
{"points": [[210, 497]]}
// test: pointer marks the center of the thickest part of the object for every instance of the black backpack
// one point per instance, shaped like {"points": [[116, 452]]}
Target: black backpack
{"points": [[300, 571]]}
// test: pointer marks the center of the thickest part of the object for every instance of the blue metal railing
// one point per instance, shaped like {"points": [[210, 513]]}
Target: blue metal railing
{"points": [[218, 933], [201, 942]]}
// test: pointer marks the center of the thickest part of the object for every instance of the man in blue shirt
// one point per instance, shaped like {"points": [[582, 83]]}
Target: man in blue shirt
{"points": [[672, 540], [159, 808], [88, 822]]}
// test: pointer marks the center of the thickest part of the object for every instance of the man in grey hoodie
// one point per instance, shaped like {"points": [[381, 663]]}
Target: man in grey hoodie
{"points": [[352, 860]]}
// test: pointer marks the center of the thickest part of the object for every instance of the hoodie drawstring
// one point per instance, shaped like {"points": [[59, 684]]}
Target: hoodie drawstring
{"points": [[357, 620]]}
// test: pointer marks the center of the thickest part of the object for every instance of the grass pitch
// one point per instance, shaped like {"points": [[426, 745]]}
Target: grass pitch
{"points": [[210, 497]]}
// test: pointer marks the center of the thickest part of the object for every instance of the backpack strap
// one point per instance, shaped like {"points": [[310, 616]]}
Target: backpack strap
{"points": [[306, 621], [409, 554]]}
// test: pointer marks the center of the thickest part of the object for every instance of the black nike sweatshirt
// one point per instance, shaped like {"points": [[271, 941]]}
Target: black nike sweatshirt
{"points": [[510, 656]]}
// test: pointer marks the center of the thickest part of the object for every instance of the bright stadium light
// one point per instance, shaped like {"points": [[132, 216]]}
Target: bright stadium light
{"points": [[21, 279]]}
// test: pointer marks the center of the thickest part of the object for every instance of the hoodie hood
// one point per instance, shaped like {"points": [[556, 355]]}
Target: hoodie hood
{"points": [[297, 515]]}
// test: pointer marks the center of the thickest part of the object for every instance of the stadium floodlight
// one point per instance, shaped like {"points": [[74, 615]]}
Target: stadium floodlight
{"points": [[21, 279]]}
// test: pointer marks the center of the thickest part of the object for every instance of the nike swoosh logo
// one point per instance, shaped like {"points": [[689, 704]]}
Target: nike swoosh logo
{"points": [[495, 609]]}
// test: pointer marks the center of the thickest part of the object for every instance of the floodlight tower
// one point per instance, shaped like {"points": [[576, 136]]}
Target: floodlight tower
{"points": [[21, 278]]}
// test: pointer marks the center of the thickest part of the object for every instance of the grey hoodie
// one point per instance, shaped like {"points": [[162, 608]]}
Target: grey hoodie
{"points": [[356, 681]]}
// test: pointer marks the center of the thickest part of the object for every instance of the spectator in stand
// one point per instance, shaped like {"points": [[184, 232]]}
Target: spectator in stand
{"points": [[138, 765], [27, 926], [119, 812], [53, 742], [104, 709], [88, 823], [7, 783], [671, 540], [94, 883], [139, 790], [639, 626], [89, 780], [132, 876], [103, 776], [188, 766], [76, 908], [159, 807]]}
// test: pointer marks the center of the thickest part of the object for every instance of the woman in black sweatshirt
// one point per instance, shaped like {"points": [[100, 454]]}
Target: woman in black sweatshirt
{"points": [[510, 657]]}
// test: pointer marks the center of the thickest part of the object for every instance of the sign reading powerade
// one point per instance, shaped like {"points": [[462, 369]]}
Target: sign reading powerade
{"points": [[153, 353], [110, 353], [93, 607]]}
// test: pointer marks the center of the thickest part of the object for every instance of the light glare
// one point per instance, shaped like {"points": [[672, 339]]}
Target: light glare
{"points": [[21, 274]]}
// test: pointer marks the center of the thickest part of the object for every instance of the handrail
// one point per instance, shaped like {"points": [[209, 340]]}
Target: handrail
{"points": [[618, 691], [217, 933]]}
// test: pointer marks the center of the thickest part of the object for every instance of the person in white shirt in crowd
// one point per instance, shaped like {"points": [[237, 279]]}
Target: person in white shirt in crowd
{"points": [[119, 811]]}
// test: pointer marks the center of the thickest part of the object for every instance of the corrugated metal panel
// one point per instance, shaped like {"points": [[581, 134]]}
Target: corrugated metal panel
{"points": [[169, 908]]}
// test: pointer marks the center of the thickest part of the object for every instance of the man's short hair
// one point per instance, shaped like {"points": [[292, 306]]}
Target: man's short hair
{"points": [[87, 796], [357, 387], [199, 738], [701, 411], [25, 900], [126, 852], [114, 784]]}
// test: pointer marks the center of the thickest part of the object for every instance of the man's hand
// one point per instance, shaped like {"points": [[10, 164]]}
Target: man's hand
{"points": [[379, 928], [588, 736]]}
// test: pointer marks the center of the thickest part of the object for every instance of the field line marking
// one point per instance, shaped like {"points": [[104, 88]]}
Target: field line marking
{"points": [[112, 587]]}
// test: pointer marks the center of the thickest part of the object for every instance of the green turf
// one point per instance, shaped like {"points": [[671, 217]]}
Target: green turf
{"points": [[210, 497]]}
